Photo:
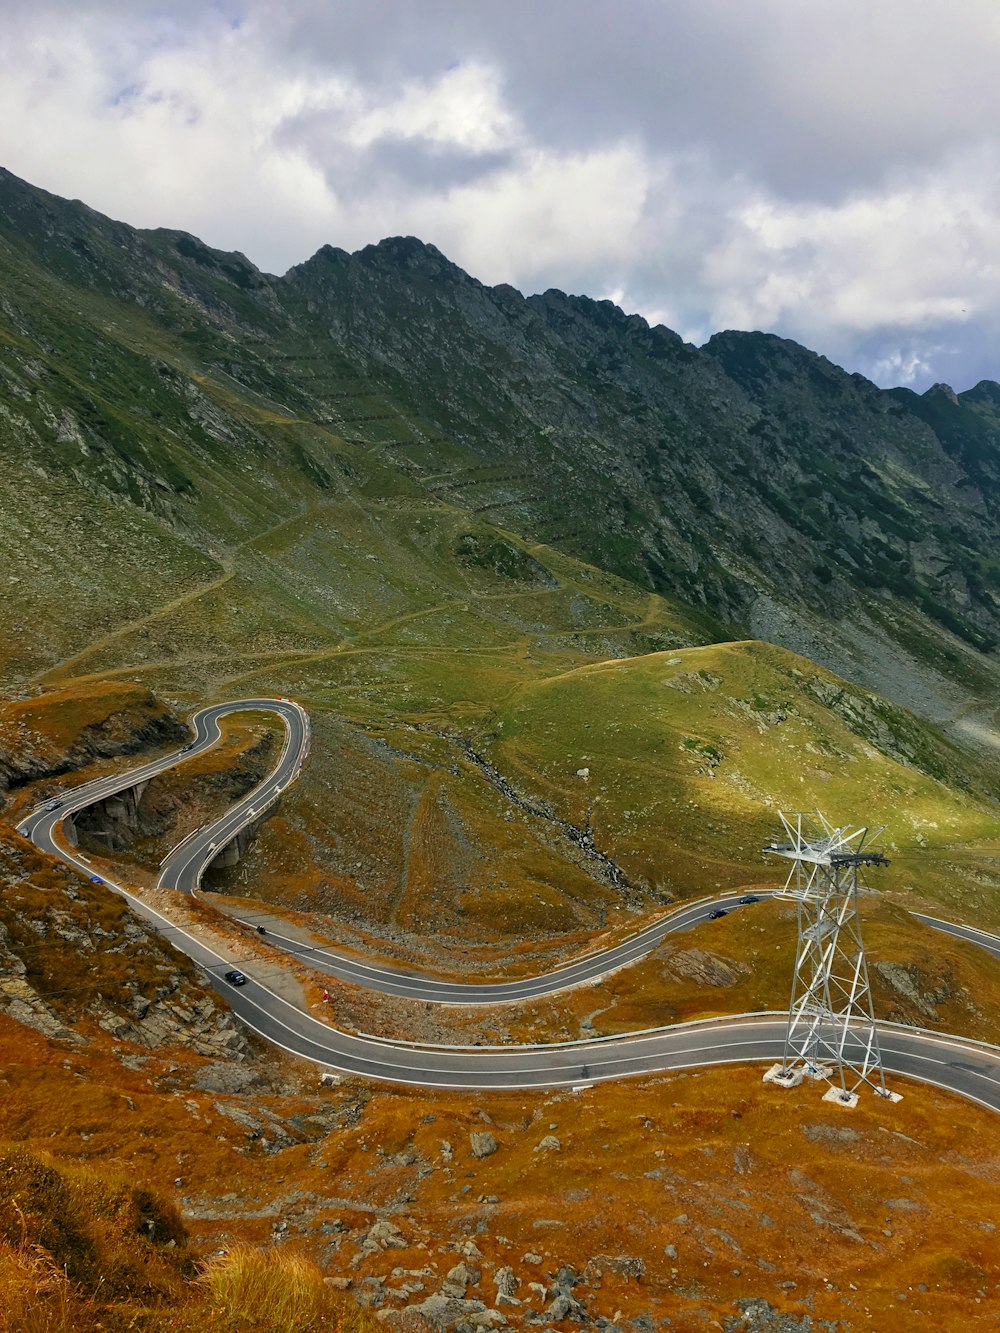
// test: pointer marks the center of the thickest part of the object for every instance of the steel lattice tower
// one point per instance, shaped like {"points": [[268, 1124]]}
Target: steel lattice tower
{"points": [[831, 1026]]}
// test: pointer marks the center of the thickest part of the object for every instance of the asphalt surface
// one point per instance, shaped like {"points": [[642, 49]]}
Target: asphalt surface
{"points": [[186, 863], [414, 985], [991, 943], [966, 1067]]}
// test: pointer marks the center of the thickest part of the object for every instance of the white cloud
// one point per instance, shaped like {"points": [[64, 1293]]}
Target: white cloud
{"points": [[463, 109], [914, 257], [578, 208]]}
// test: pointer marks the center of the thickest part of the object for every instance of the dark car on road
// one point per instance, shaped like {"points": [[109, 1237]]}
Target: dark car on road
{"points": [[749, 898], [236, 978], [53, 805], [719, 911]]}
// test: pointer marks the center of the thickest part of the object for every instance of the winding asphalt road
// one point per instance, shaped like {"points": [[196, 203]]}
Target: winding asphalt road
{"points": [[186, 863], [414, 985], [966, 1067]]}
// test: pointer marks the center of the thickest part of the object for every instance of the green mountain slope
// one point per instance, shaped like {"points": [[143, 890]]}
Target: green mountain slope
{"points": [[751, 480]]}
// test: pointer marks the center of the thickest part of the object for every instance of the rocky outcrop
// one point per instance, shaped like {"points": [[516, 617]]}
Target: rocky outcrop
{"points": [[53, 732], [707, 969], [915, 993], [19, 999], [152, 816], [73, 959]]}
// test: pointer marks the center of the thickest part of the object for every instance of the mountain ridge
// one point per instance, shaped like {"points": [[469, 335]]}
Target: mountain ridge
{"points": [[747, 473]]}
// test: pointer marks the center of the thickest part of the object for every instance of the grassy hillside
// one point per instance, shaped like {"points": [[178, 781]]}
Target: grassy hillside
{"points": [[167, 410], [372, 485], [691, 1161], [696, 750], [84, 1249]]}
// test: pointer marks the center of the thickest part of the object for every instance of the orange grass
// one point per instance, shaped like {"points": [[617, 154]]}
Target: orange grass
{"points": [[691, 1160]]}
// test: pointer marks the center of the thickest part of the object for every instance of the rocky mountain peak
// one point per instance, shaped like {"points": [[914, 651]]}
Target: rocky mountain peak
{"points": [[409, 254], [942, 391]]}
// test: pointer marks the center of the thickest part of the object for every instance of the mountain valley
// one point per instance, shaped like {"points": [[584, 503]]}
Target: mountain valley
{"points": [[574, 609]]}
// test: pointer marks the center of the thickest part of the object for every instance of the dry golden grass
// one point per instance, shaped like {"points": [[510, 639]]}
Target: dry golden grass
{"points": [[94, 1254], [735, 1175], [873, 1216], [60, 716], [249, 1288]]}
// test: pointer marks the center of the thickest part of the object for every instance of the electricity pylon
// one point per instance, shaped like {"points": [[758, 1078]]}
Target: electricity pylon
{"points": [[831, 1027]]}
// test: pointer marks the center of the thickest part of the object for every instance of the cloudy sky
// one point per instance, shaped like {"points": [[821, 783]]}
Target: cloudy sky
{"points": [[825, 169]]}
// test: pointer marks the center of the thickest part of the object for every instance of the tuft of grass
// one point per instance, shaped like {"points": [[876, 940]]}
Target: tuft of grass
{"points": [[273, 1289]]}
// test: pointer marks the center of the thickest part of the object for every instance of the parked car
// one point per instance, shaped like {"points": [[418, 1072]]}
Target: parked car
{"points": [[236, 978], [719, 911], [749, 898]]}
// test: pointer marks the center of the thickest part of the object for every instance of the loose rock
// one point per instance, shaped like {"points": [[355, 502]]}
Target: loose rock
{"points": [[483, 1143]]}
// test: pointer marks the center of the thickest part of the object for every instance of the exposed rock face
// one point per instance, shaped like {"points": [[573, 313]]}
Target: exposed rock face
{"points": [[37, 741], [752, 444], [147, 817], [99, 965], [20, 1001], [707, 969], [918, 993]]}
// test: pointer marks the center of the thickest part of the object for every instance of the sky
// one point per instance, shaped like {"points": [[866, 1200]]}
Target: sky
{"points": [[827, 170]]}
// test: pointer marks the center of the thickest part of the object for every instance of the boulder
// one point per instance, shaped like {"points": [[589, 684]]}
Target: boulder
{"points": [[460, 1277], [565, 1307], [482, 1143], [625, 1265], [444, 1312], [384, 1235], [505, 1282]]}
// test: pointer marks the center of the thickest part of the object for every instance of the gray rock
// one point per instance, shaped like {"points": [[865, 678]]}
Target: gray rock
{"points": [[549, 1144], [564, 1307], [226, 1078], [482, 1143], [759, 1316], [625, 1265], [445, 1312], [505, 1282], [384, 1235], [460, 1277]]}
